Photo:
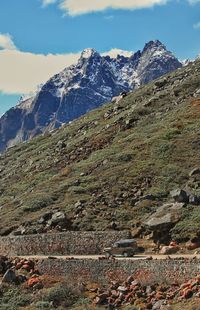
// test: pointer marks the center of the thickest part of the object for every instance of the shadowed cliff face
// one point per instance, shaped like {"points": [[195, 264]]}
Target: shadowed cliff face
{"points": [[94, 80]]}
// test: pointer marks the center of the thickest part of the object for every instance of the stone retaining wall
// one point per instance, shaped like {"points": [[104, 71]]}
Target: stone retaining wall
{"points": [[148, 271], [69, 243]]}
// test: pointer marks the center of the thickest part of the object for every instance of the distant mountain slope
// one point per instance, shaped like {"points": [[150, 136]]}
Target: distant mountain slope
{"points": [[80, 88], [111, 168]]}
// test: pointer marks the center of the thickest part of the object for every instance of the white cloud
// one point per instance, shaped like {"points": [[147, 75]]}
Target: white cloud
{"points": [[6, 42], [115, 51], [47, 2], [21, 72], [196, 26], [77, 7]]}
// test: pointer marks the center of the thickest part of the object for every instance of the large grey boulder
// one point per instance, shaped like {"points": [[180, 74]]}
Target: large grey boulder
{"points": [[165, 216], [57, 218]]}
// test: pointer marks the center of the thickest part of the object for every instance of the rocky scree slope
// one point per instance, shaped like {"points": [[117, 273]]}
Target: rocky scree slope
{"points": [[112, 168], [82, 87]]}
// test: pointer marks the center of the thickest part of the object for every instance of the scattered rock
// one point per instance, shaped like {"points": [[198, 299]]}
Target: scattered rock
{"points": [[33, 282], [21, 230], [21, 279], [113, 225], [148, 197], [167, 250], [9, 276], [61, 144], [78, 204], [129, 123], [192, 245], [179, 195], [45, 218], [194, 171], [155, 296], [161, 83], [158, 304], [122, 289], [194, 199]]}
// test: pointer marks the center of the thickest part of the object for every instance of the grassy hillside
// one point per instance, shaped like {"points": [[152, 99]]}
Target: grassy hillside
{"points": [[97, 168]]}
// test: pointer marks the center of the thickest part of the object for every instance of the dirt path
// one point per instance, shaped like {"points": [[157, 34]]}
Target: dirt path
{"points": [[97, 257]]}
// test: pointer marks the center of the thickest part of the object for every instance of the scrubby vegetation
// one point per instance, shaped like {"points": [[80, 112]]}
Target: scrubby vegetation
{"points": [[59, 296]]}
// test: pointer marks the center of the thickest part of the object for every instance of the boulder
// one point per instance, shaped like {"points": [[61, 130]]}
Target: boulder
{"points": [[167, 250], [161, 83], [122, 289], [194, 199], [158, 304], [57, 218], [129, 123], [44, 218], [78, 204], [33, 281], [101, 298], [192, 245], [194, 171], [61, 144], [9, 277], [21, 279], [59, 221], [148, 197], [179, 195], [21, 230], [165, 216]]}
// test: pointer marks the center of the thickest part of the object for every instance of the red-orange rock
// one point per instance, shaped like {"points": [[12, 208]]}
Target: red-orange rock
{"points": [[188, 294], [160, 296], [184, 285], [18, 266], [26, 267], [31, 282]]}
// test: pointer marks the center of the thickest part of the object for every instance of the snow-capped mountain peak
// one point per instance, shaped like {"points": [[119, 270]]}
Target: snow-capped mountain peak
{"points": [[88, 52], [154, 44], [94, 80]]}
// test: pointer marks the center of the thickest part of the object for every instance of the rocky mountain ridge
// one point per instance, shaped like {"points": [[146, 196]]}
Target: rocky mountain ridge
{"points": [[94, 80]]}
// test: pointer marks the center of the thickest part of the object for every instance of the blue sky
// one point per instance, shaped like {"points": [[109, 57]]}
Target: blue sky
{"points": [[38, 40]]}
